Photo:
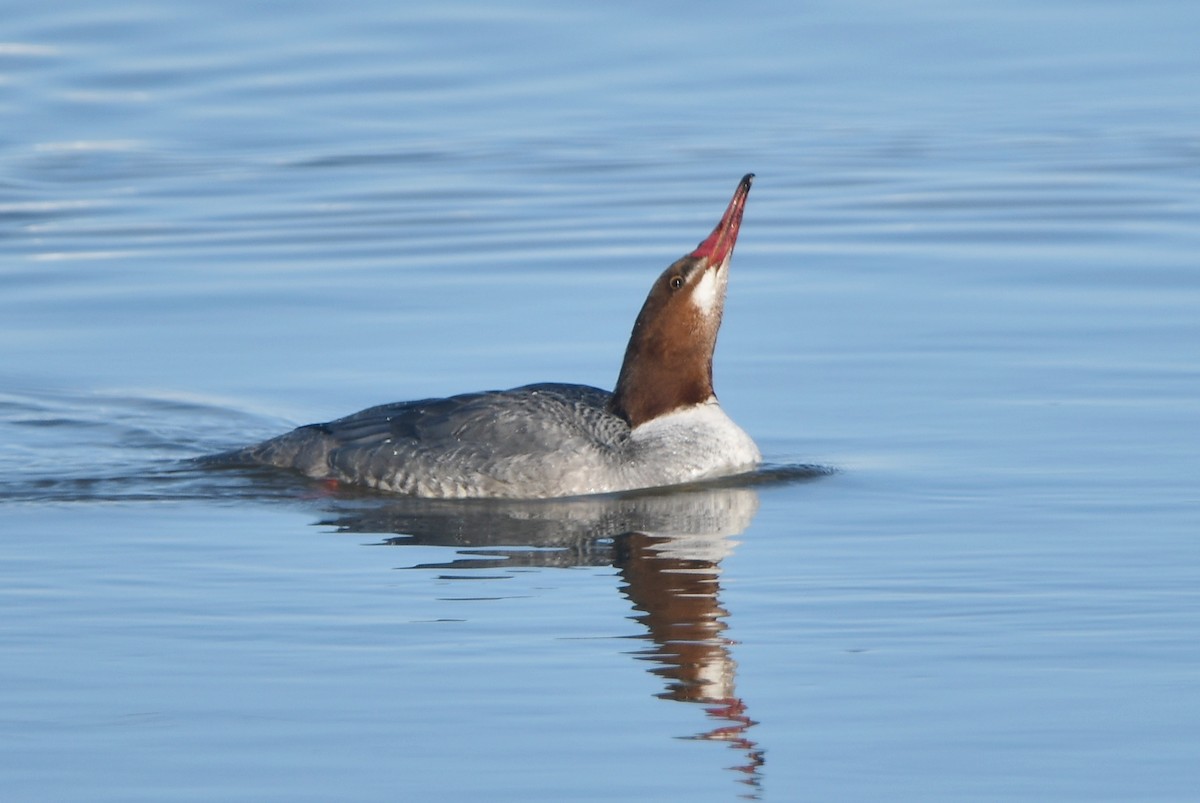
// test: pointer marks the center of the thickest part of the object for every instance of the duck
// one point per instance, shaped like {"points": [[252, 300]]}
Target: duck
{"points": [[661, 425]]}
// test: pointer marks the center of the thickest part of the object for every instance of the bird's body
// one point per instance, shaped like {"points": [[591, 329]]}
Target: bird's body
{"points": [[535, 441]]}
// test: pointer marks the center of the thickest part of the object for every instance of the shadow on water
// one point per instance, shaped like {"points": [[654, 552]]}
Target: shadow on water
{"points": [[667, 544]]}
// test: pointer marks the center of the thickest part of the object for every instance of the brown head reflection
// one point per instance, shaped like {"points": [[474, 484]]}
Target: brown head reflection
{"points": [[674, 583]]}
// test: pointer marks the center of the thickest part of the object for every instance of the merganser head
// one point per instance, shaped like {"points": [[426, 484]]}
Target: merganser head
{"points": [[668, 363]]}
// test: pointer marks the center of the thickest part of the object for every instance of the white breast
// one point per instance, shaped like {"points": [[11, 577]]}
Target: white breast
{"points": [[694, 443]]}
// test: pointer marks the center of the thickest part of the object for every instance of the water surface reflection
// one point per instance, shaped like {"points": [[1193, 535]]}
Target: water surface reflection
{"points": [[668, 548]]}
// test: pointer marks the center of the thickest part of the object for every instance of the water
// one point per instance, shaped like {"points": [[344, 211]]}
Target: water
{"points": [[967, 281]]}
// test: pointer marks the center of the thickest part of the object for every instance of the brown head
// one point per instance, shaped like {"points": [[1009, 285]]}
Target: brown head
{"points": [[668, 363]]}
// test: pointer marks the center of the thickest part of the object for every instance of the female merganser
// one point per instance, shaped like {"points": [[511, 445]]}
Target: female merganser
{"points": [[661, 425]]}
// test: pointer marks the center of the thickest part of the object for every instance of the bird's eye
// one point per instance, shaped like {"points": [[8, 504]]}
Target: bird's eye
{"points": [[676, 282]]}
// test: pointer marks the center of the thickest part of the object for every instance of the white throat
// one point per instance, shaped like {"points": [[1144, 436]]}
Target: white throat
{"points": [[710, 291]]}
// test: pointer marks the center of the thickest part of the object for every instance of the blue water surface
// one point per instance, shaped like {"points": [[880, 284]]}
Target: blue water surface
{"points": [[967, 284]]}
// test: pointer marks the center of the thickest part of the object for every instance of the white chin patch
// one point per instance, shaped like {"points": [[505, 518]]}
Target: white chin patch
{"points": [[708, 291]]}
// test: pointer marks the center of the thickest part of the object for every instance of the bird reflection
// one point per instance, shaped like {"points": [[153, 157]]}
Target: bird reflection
{"points": [[667, 546], [678, 594]]}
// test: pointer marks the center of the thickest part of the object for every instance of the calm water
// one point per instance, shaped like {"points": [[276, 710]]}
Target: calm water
{"points": [[968, 281]]}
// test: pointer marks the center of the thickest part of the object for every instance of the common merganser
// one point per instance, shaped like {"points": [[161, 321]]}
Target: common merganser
{"points": [[660, 426]]}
